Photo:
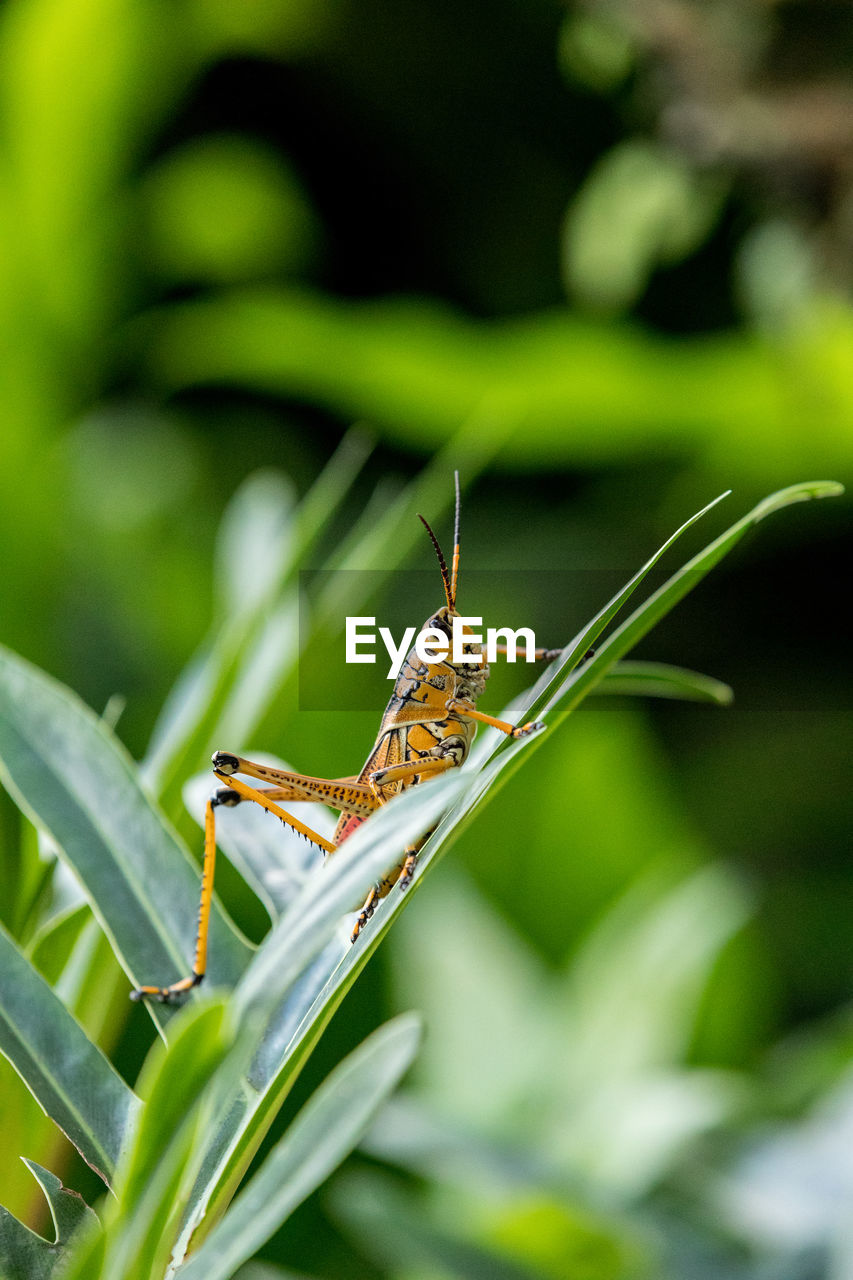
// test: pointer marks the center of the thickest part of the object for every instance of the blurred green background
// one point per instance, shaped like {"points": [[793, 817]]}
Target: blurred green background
{"points": [[599, 254]]}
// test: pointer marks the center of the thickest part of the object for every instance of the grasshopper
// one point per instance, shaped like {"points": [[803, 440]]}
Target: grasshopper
{"points": [[428, 727]]}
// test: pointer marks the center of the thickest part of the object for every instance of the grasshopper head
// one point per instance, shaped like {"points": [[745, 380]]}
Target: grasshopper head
{"points": [[441, 620]]}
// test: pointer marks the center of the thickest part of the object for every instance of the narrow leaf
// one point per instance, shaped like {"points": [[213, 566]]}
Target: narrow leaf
{"points": [[175, 1084], [299, 976], [254, 542], [67, 1075], [169, 1085], [75, 780], [632, 990], [569, 690], [188, 722], [68, 1210], [52, 945], [660, 680], [321, 1136], [25, 1255], [577, 649]]}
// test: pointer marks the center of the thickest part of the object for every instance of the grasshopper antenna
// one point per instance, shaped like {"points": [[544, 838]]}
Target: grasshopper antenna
{"points": [[455, 570], [445, 576]]}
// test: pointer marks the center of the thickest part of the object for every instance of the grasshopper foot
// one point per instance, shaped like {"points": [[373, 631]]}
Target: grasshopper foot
{"points": [[364, 915], [167, 995], [407, 874], [523, 730]]}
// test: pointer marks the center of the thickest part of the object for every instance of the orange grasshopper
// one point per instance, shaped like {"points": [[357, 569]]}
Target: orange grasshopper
{"points": [[428, 727]]}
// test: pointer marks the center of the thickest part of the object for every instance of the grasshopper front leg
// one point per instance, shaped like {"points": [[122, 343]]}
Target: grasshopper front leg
{"points": [[458, 706], [402, 772]]}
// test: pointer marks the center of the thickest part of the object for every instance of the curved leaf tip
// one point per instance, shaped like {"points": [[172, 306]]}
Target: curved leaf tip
{"points": [[68, 1209], [801, 492]]}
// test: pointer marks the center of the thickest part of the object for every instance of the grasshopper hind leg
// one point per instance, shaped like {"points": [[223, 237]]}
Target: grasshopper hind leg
{"points": [[177, 990], [233, 793]]}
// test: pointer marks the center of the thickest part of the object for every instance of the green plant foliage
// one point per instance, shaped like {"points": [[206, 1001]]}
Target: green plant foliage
{"points": [[210, 1096], [219, 211], [67, 1074], [625, 1005], [559, 388], [27, 1256], [639, 207], [81, 787], [659, 680], [312, 1148], [596, 257]]}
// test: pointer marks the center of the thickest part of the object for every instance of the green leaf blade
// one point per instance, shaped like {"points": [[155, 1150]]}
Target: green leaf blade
{"points": [[299, 977], [178, 1084], [189, 721], [73, 778], [68, 1210], [661, 680], [321, 1136], [68, 1075], [25, 1255], [583, 679]]}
